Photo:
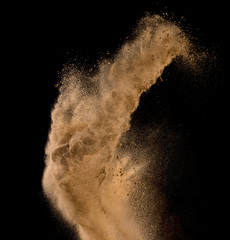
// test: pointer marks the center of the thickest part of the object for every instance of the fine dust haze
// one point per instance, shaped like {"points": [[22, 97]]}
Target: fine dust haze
{"points": [[95, 185]]}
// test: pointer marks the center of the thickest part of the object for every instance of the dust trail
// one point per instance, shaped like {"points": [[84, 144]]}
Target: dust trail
{"points": [[86, 177]]}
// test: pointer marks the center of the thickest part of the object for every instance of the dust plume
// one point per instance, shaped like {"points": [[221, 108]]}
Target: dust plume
{"points": [[88, 178]]}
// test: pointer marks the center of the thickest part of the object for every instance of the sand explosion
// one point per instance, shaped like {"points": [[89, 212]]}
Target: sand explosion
{"points": [[87, 178]]}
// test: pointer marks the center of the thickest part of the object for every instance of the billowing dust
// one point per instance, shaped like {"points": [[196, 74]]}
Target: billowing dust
{"points": [[87, 178]]}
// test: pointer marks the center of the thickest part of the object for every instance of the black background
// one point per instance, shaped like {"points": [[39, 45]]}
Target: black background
{"points": [[40, 38]]}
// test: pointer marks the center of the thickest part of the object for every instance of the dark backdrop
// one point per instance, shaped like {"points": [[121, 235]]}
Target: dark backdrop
{"points": [[40, 38]]}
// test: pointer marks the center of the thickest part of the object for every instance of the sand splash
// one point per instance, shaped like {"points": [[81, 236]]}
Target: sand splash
{"points": [[87, 178]]}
